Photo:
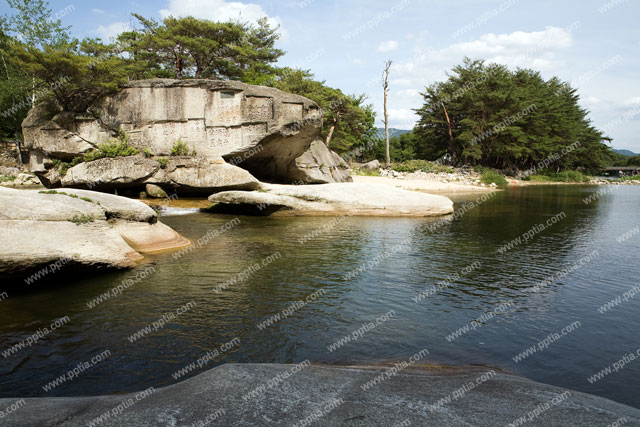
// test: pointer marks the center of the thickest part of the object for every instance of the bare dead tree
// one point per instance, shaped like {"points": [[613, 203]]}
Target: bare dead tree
{"points": [[385, 86]]}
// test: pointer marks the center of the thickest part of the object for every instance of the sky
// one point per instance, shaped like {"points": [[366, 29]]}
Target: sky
{"points": [[594, 44]]}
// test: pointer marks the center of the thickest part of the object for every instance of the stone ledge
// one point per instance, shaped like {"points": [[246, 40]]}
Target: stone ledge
{"points": [[406, 396]]}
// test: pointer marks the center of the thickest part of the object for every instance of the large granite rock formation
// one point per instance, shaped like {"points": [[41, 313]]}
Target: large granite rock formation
{"points": [[331, 199], [78, 229], [270, 133]]}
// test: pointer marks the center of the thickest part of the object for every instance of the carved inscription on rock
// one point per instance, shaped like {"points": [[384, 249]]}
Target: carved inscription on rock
{"points": [[224, 138], [160, 137], [224, 108], [292, 111], [259, 109]]}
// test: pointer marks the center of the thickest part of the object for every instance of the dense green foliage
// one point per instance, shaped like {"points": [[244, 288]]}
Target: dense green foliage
{"points": [[352, 120], [49, 65], [507, 120], [189, 47]]}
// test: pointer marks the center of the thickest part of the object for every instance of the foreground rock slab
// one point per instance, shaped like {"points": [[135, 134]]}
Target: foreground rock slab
{"points": [[79, 230], [331, 199], [240, 395]]}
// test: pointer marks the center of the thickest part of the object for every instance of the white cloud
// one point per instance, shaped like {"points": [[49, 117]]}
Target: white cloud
{"points": [[98, 11], [538, 50], [401, 82], [112, 30], [403, 118], [632, 101], [388, 46], [219, 10], [592, 100]]}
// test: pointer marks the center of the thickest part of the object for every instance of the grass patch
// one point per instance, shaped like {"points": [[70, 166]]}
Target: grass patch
{"points": [[81, 219], [163, 162], [629, 178], [420, 165], [491, 177], [7, 178], [75, 196], [564, 176], [367, 172]]}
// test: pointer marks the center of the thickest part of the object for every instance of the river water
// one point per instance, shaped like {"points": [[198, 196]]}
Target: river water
{"points": [[369, 279]]}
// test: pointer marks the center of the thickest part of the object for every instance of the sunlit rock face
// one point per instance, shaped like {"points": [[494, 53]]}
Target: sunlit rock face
{"points": [[263, 130]]}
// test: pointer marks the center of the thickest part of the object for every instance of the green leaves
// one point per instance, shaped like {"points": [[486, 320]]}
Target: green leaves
{"points": [[507, 120], [352, 120], [197, 48]]}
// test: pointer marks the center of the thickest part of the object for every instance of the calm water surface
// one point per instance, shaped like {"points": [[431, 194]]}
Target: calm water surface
{"points": [[427, 256]]}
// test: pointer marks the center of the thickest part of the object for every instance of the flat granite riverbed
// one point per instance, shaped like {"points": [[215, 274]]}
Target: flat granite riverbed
{"points": [[303, 394]]}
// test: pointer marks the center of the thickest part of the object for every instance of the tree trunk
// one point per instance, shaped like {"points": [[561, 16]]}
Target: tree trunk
{"points": [[33, 91], [452, 145], [18, 149], [385, 86], [332, 129]]}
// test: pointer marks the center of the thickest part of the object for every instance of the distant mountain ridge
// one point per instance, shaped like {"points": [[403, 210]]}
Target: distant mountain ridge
{"points": [[623, 152], [392, 132]]}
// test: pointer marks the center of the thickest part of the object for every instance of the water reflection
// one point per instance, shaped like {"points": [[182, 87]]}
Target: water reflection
{"points": [[353, 297]]}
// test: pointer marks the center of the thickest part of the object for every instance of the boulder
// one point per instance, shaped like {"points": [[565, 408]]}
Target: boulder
{"points": [[110, 173], [373, 165], [319, 165], [187, 175], [155, 191], [260, 129], [203, 175], [332, 199], [81, 230]]}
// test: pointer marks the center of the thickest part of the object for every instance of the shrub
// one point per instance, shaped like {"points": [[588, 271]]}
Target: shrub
{"points": [[163, 162], [629, 178], [571, 176], [147, 152], [180, 148], [491, 177], [111, 148]]}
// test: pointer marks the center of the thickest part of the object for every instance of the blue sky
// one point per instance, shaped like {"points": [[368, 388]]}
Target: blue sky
{"points": [[595, 44]]}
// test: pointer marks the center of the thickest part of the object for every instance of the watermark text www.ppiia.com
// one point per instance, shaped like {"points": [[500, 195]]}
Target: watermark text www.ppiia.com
{"points": [[362, 330]]}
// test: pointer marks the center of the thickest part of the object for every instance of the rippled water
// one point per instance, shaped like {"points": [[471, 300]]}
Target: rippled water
{"points": [[392, 277]]}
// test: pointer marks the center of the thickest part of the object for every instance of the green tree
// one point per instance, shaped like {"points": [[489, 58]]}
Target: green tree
{"points": [[75, 73], [197, 48], [488, 115], [348, 120]]}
